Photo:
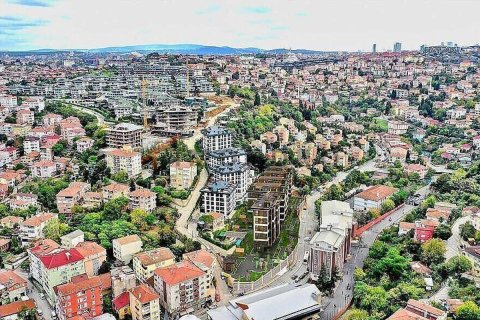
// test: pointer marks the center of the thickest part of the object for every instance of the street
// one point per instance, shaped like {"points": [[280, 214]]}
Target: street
{"points": [[36, 295]]}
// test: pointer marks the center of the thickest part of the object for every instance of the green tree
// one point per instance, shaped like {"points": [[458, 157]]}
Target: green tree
{"points": [[443, 232], [467, 231], [458, 265], [257, 101], [433, 251], [357, 314], [120, 177], [388, 205], [114, 208], [468, 311], [139, 218], [54, 229]]}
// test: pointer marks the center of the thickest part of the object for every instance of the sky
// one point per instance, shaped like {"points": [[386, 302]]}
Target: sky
{"points": [[347, 25]]}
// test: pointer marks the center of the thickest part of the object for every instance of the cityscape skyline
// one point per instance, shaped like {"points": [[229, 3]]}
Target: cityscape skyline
{"points": [[51, 24]]}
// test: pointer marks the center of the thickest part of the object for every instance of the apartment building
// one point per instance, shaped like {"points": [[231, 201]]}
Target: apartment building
{"points": [[126, 160], [218, 196], [39, 249], [181, 287], [205, 261], [216, 138], [182, 174], [59, 268], [44, 169], [126, 247], [52, 119], [268, 200], [372, 198], [25, 116], [115, 190], [12, 286], [94, 255], [220, 157], [80, 298], [397, 127], [142, 199], [71, 196], [331, 245], [145, 263], [144, 303], [30, 144], [71, 239], [123, 279], [125, 134], [176, 118], [32, 228], [239, 174], [84, 143]]}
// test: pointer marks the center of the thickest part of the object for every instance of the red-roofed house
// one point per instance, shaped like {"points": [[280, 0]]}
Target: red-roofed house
{"points": [[144, 303], [372, 198], [12, 286], [121, 305], [181, 286], [11, 310]]}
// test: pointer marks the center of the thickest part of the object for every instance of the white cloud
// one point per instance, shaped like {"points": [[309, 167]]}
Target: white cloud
{"points": [[312, 24]]}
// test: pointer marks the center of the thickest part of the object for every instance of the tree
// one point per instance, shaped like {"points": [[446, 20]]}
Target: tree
{"points": [[393, 264], [357, 314], [468, 311], [443, 232], [433, 251], [114, 208], [59, 148], [54, 229], [388, 205], [120, 177], [257, 101], [458, 265], [467, 231], [139, 218]]}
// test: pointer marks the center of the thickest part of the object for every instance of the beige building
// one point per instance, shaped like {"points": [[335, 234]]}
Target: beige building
{"points": [[71, 196], [182, 174], [145, 263], [125, 160], [144, 303], [142, 199], [115, 190], [124, 248]]}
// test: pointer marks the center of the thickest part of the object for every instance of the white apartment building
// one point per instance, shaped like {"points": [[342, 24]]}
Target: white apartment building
{"points": [[125, 160], [181, 287], [239, 174], [31, 144], [145, 263], [397, 127], [32, 228], [216, 138], [219, 196], [372, 198], [223, 156], [44, 169], [126, 247], [142, 199]]}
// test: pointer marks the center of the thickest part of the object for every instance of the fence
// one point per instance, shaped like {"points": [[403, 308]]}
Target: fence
{"points": [[367, 226], [246, 287]]}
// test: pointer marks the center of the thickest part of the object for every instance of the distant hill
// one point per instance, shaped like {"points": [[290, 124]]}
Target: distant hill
{"points": [[194, 49]]}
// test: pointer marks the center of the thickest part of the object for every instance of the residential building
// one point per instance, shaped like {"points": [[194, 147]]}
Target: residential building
{"points": [[182, 174], [44, 169], [181, 286], [416, 310], [145, 263], [123, 279], [30, 144], [126, 247], [125, 134], [12, 310], [32, 228], [70, 196], [287, 301], [203, 260], [219, 196], [94, 255], [372, 198], [266, 216], [397, 127], [125, 160], [239, 174], [220, 157], [84, 143], [79, 298], [331, 245], [115, 190], [216, 138], [144, 303], [12, 286], [59, 268], [38, 250], [25, 116], [142, 199], [71, 239]]}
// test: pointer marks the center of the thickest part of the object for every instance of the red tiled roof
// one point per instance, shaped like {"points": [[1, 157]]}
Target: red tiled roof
{"points": [[61, 258], [179, 272], [121, 301], [376, 193], [73, 287], [144, 293], [16, 307]]}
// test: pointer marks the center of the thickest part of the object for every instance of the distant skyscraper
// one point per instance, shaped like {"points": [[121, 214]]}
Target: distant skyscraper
{"points": [[374, 48], [397, 47]]}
